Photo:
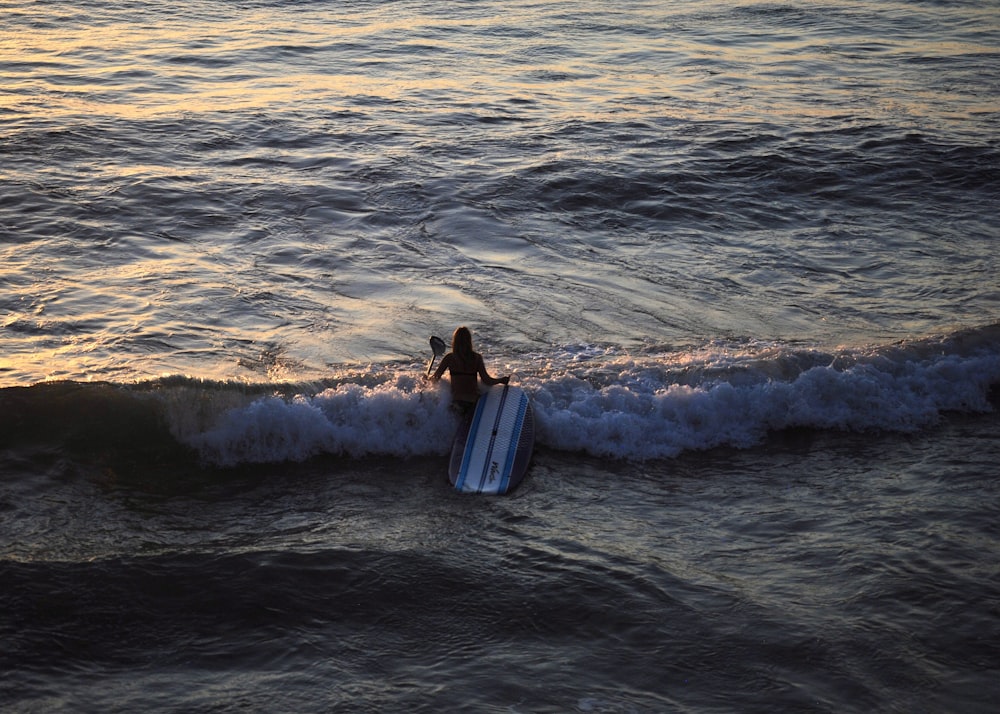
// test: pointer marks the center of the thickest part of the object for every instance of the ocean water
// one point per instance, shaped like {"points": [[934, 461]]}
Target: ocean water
{"points": [[741, 256]]}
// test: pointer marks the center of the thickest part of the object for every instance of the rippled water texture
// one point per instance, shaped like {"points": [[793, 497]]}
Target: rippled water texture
{"points": [[819, 573], [741, 255], [270, 189]]}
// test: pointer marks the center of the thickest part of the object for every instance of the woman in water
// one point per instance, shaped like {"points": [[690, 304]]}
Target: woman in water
{"points": [[464, 366]]}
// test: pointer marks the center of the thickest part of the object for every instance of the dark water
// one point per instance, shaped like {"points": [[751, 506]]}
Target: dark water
{"points": [[741, 256], [816, 572]]}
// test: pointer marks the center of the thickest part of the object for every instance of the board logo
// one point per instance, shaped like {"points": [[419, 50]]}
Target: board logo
{"points": [[494, 467]]}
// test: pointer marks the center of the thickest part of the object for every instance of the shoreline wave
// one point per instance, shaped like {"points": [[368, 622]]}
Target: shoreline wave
{"points": [[597, 401]]}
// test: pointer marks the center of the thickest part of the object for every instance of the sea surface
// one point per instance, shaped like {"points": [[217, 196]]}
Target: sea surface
{"points": [[741, 255]]}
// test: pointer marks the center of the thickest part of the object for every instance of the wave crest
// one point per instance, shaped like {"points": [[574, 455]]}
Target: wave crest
{"points": [[600, 401]]}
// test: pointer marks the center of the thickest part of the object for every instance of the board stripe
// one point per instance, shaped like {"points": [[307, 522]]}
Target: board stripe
{"points": [[467, 456], [474, 463], [522, 409], [486, 470]]}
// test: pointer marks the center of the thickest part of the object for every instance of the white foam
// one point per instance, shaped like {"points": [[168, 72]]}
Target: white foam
{"points": [[656, 406], [398, 419], [646, 419]]}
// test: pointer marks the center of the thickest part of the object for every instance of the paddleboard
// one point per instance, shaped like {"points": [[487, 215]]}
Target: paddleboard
{"points": [[492, 448]]}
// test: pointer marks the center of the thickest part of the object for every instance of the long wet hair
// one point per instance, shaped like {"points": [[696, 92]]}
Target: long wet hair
{"points": [[461, 344]]}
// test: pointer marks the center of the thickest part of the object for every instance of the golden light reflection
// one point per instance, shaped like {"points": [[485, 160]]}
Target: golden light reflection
{"points": [[152, 64], [149, 65]]}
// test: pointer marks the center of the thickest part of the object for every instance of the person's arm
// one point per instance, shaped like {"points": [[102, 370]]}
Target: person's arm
{"points": [[445, 364], [485, 376]]}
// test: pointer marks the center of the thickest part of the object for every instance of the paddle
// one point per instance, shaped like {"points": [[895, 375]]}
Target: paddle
{"points": [[439, 347]]}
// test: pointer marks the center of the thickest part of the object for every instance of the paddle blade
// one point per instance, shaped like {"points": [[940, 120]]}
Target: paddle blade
{"points": [[438, 347]]}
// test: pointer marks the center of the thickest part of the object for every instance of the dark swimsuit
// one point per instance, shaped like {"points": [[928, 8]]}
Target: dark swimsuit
{"points": [[465, 405]]}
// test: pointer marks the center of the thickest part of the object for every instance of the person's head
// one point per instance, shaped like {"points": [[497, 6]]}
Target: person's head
{"points": [[461, 342]]}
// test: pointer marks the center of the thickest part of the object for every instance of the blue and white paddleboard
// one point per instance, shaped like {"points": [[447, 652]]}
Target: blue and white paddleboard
{"points": [[491, 450]]}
